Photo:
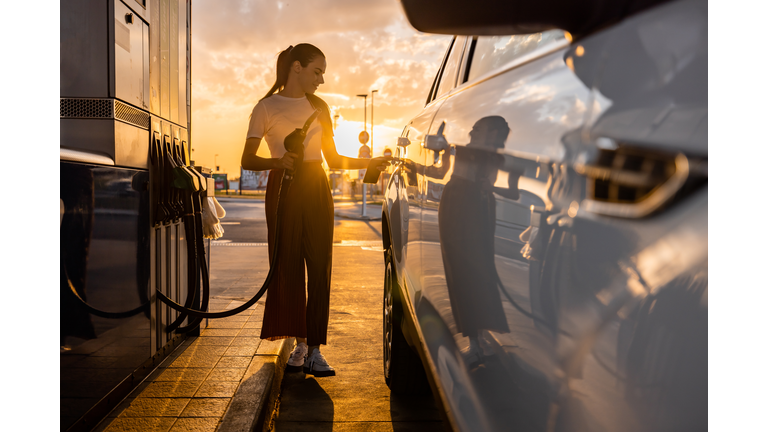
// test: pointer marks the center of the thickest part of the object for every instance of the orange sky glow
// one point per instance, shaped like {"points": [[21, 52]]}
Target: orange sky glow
{"points": [[369, 45]]}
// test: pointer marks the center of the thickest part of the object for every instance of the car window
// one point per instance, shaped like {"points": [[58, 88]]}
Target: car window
{"points": [[491, 52], [432, 90], [448, 79]]}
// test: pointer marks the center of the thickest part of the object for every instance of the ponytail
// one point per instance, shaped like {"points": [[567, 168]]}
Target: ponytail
{"points": [[304, 53]]}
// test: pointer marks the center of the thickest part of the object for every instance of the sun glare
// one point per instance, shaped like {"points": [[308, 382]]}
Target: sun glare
{"points": [[347, 143]]}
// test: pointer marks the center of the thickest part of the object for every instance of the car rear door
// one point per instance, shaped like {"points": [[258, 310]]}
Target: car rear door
{"points": [[503, 126], [406, 190]]}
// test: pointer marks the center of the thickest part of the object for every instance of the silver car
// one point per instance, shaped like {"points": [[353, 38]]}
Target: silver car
{"points": [[545, 223]]}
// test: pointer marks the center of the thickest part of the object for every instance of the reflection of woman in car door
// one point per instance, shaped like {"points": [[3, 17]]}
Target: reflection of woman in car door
{"points": [[467, 221]]}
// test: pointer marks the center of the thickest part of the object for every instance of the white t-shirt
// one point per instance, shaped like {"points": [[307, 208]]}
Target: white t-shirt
{"points": [[277, 116]]}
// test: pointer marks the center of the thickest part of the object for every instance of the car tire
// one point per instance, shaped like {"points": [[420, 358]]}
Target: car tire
{"points": [[403, 371]]}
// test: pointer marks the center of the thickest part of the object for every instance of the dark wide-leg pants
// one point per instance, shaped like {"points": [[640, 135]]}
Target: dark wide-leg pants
{"points": [[306, 239]]}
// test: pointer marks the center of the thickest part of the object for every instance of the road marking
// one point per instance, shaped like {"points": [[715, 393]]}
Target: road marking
{"points": [[230, 223], [360, 243], [230, 243], [374, 245]]}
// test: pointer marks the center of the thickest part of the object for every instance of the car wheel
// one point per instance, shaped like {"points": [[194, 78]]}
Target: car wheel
{"points": [[403, 371]]}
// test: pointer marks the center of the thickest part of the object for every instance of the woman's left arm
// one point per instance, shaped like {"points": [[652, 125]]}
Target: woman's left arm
{"points": [[328, 145], [337, 161], [512, 191]]}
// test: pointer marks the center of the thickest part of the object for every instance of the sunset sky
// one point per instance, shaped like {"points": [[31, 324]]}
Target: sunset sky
{"points": [[368, 45]]}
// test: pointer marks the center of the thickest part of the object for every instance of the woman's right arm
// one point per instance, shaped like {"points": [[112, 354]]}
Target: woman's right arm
{"points": [[251, 162]]}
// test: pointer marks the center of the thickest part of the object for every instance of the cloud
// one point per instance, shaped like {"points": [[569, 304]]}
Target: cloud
{"points": [[368, 45]]}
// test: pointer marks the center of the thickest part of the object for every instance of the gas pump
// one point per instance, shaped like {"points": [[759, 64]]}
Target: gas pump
{"points": [[131, 213]]}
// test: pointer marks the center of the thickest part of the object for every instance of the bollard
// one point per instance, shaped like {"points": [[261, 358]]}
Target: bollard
{"points": [[364, 198]]}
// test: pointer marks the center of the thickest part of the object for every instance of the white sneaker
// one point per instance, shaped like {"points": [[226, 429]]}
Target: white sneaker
{"points": [[318, 366], [298, 357]]}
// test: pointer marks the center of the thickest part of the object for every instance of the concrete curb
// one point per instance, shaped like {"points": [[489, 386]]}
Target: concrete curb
{"points": [[254, 400]]}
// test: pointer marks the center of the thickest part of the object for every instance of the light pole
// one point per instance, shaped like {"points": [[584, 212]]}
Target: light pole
{"points": [[215, 163], [365, 128], [335, 173], [365, 112], [372, 94]]}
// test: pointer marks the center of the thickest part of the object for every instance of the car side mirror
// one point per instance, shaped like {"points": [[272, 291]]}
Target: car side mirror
{"points": [[437, 142], [494, 17], [403, 142]]}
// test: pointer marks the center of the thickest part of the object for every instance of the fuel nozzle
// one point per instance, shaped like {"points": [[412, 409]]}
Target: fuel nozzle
{"points": [[294, 142]]}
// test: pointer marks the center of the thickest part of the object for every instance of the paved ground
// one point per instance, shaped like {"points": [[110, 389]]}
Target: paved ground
{"points": [[192, 389], [245, 222], [357, 399]]}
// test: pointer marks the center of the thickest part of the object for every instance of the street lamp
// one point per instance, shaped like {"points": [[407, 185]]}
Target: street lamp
{"points": [[365, 129], [372, 94], [335, 174], [365, 112]]}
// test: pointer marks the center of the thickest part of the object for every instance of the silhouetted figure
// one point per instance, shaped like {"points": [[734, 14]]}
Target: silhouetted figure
{"points": [[467, 221]]}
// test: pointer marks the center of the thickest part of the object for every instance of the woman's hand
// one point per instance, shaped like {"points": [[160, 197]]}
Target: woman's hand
{"points": [[286, 162], [384, 162]]}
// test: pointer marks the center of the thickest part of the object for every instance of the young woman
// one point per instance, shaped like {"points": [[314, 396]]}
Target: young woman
{"points": [[306, 236]]}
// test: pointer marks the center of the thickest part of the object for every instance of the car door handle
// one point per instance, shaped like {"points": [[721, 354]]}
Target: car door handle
{"points": [[436, 142]]}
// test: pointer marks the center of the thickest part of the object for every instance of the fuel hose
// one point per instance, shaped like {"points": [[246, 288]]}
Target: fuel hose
{"points": [[197, 266], [193, 265], [195, 247], [294, 143], [284, 187]]}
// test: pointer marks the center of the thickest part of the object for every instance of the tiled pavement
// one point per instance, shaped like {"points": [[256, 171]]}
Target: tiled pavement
{"points": [[193, 388]]}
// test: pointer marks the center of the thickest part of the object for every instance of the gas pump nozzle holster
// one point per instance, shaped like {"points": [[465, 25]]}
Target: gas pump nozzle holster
{"points": [[294, 143]]}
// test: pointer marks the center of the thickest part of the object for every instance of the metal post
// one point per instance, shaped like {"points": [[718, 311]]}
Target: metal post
{"points": [[365, 128], [372, 95], [373, 92], [335, 173]]}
